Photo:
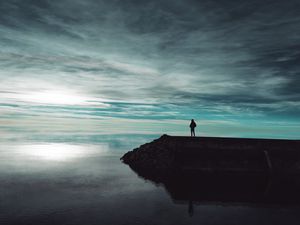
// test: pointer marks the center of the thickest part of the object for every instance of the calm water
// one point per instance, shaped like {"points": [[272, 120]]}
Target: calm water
{"points": [[80, 180]]}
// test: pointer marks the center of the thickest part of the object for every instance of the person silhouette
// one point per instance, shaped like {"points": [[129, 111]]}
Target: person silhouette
{"points": [[192, 126]]}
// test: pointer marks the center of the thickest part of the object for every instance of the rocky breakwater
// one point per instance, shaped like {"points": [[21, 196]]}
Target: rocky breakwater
{"points": [[156, 155], [214, 154]]}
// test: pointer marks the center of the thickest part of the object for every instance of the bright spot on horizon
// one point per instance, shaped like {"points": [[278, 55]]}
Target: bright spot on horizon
{"points": [[53, 97]]}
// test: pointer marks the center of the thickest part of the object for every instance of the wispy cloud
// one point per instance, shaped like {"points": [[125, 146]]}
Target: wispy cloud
{"points": [[150, 59]]}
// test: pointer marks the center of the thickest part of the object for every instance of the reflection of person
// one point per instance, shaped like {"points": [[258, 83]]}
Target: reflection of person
{"points": [[192, 126], [191, 208]]}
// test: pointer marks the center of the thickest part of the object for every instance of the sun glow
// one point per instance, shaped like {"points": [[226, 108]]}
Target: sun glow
{"points": [[56, 97]]}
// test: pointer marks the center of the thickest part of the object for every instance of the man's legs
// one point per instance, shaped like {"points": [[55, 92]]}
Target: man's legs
{"points": [[192, 132]]}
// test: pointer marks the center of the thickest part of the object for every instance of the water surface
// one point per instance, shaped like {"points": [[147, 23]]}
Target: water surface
{"points": [[82, 181]]}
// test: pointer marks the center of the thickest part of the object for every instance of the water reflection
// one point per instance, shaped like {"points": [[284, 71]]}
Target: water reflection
{"points": [[88, 185], [252, 189], [56, 152]]}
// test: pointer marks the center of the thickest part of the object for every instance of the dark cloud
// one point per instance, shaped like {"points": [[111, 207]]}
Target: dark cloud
{"points": [[243, 54]]}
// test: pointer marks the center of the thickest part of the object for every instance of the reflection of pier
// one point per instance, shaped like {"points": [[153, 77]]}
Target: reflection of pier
{"points": [[227, 170], [227, 189]]}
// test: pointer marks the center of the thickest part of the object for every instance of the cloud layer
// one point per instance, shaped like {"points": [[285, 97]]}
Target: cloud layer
{"points": [[157, 60]]}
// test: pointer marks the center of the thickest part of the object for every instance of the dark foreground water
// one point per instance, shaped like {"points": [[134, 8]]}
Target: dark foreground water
{"points": [[82, 181]]}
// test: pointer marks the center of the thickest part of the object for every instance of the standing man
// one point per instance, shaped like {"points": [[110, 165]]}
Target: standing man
{"points": [[192, 126]]}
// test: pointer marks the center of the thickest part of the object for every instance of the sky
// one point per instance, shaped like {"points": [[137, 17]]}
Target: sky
{"points": [[148, 67]]}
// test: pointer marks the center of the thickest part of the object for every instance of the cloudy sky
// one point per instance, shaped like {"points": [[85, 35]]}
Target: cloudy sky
{"points": [[142, 66]]}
